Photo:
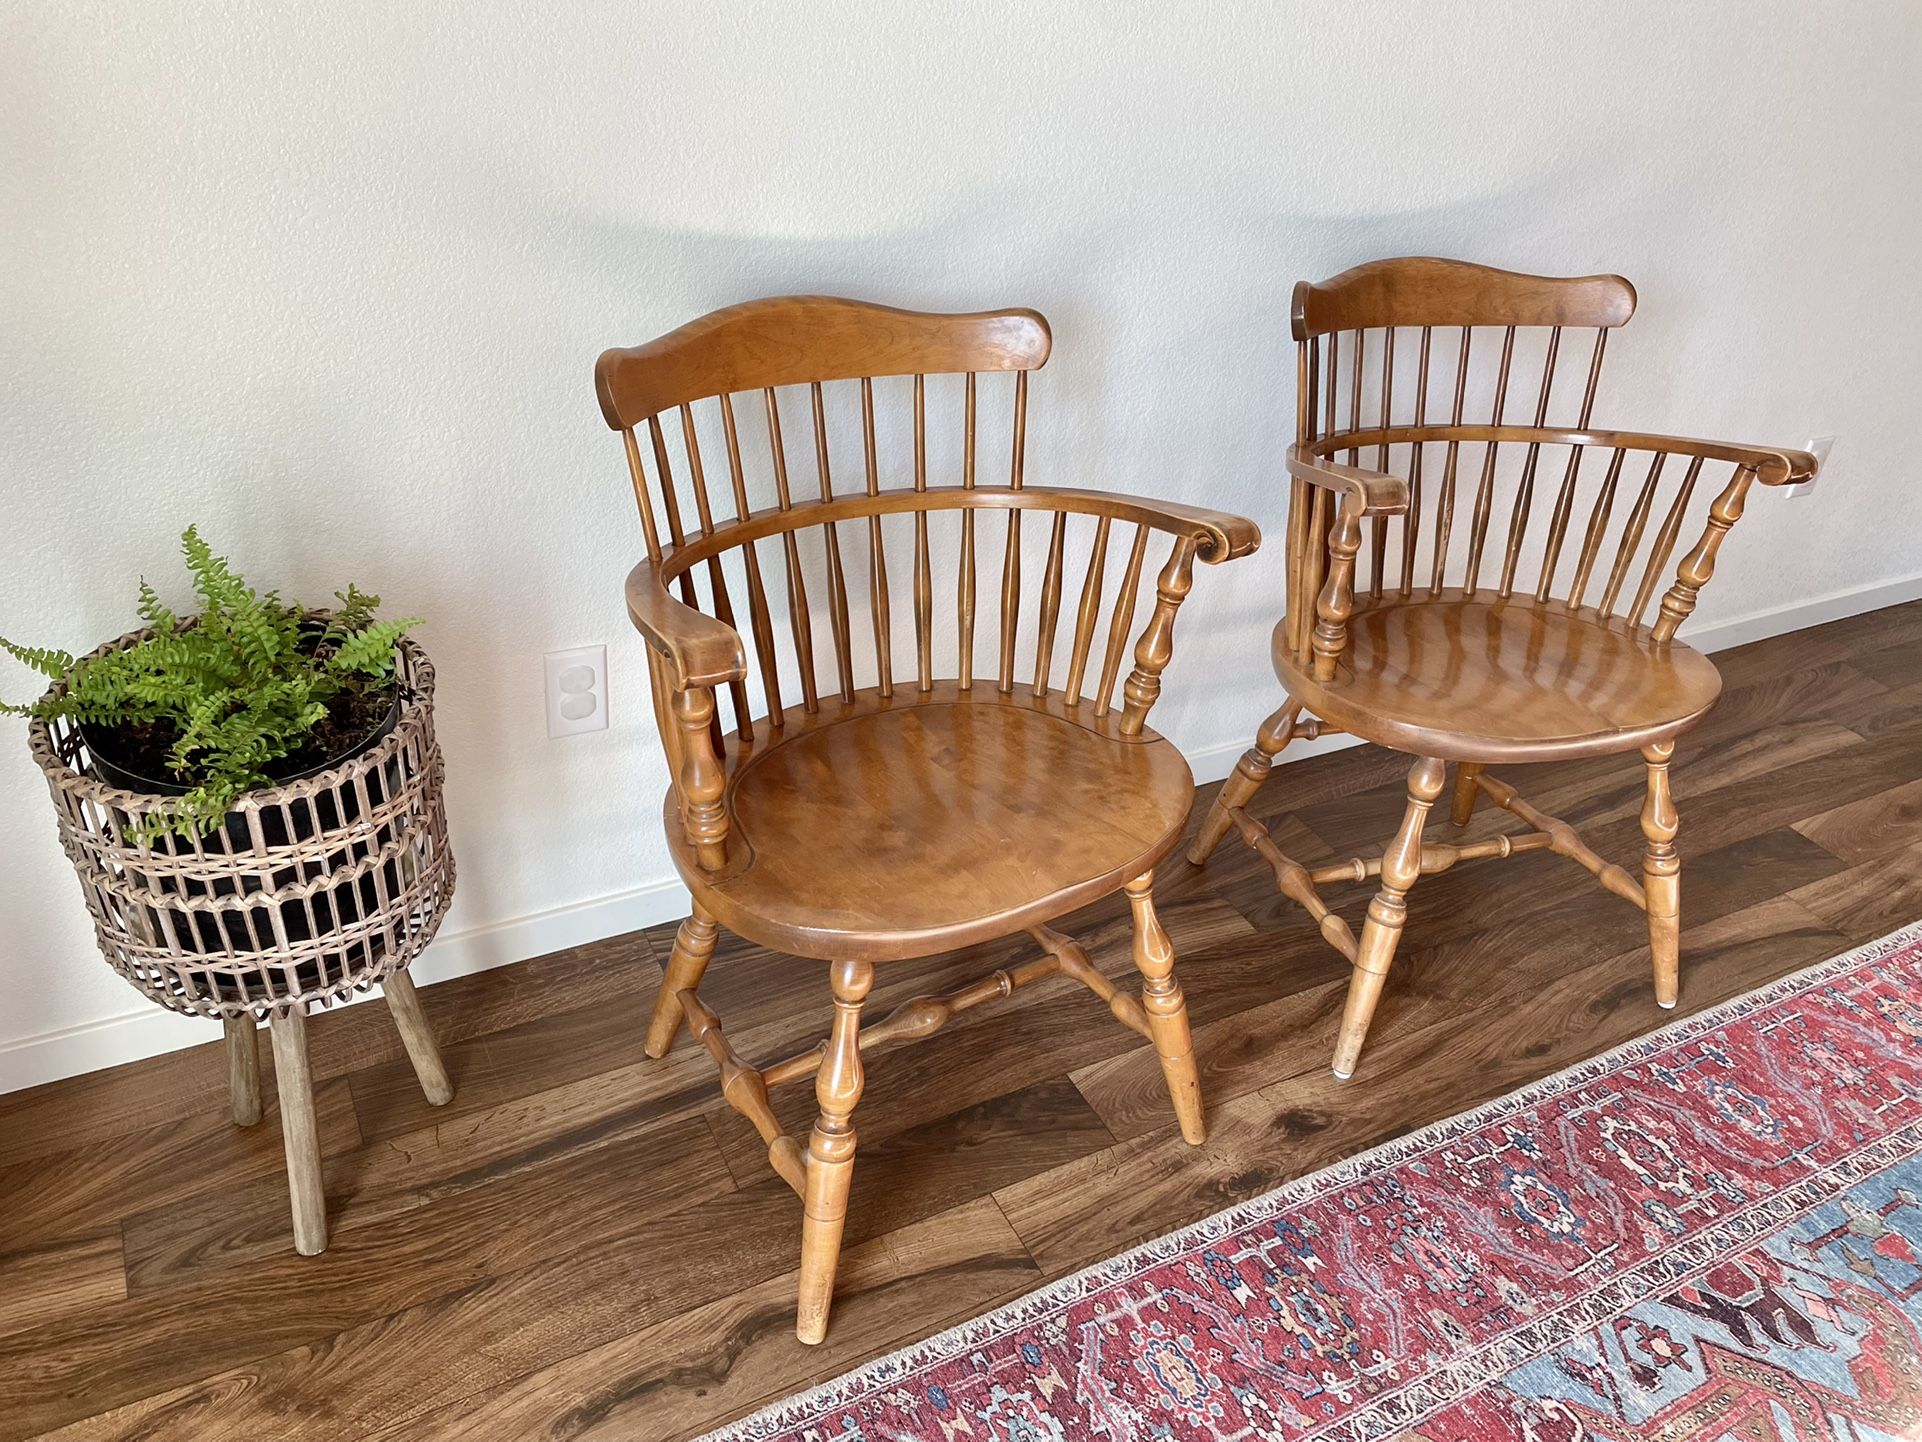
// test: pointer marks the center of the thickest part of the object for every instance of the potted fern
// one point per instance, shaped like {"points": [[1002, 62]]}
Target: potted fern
{"points": [[251, 797], [249, 693]]}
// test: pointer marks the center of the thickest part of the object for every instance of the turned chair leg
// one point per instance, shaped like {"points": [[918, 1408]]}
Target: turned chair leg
{"points": [[1662, 875], [1387, 913], [295, 1083], [1245, 780], [830, 1155], [693, 950], [403, 1001], [1167, 1010], [243, 1069], [1461, 809]]}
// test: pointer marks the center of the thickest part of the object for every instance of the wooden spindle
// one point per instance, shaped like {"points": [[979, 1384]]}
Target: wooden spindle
{"points": [[1307, 360], [1086, 612], [964, 604], [923, 580], [1010, 599], [837, 580], [877, 553], [762, 620], [1485, 491], [965, 582], [1698, 566], [716, 577], [1664, 545], [1157, 644], [1411, 519], [1120, 620], [671, 509], [1597, 527], [1314, 568], [1354, 392], [1525, 492], [1565, 497], [1050, 604], [799, 621], [1019, 459], [638, 473], [1328, 399], [1378, 525], [1632, 533], [1445, 502]]}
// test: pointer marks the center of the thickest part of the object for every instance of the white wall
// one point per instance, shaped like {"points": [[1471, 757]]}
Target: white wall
{"points": [[330, 280]]}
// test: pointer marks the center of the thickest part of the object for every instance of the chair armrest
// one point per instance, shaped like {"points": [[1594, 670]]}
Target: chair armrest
{"points": [[698, 650], [1218, 535], [1773, 465], [1380, 494]]}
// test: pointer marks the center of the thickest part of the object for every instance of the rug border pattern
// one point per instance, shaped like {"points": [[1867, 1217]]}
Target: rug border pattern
{"points": [[1457, 1377]]}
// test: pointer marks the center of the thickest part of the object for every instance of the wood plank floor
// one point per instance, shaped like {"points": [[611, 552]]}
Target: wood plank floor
{"points": [[589, 1244]]}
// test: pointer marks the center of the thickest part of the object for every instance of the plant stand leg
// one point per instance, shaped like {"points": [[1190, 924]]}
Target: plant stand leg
{"points": [[243, 1069], [295, 1083], [403, 1001]]}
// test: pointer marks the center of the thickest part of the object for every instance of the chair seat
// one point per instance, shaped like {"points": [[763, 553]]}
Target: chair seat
{"points": [[884, 830], [1491, 680]]}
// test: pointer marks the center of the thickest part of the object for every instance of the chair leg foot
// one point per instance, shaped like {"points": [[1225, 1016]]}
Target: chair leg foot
{"points": [[295, 1083], [243, 1069], [1244, 781], [1662, 876], [1167, 1011], [830, 1154], [1387, 914], [686, 963], [403, 1003]]}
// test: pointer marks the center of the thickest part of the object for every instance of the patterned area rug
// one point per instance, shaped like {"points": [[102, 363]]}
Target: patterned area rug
{"points": [[1713, 1232]]}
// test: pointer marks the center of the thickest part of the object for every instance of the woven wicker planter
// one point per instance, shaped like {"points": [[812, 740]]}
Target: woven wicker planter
{"points": [[312, 890]]}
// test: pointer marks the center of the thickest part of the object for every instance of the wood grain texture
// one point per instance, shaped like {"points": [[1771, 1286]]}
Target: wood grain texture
{"points": [[586, 1243]]}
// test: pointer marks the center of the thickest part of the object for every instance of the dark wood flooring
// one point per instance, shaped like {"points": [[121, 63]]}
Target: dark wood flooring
{"points": [[589, 1244]]}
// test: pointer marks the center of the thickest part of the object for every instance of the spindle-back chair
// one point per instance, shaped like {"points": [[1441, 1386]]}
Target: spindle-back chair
{"points": [[897, 806], [1416, 619]]}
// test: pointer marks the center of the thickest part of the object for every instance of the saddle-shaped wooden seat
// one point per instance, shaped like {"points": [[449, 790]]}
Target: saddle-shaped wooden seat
{"points": [[890, 829], [1488, 679]]}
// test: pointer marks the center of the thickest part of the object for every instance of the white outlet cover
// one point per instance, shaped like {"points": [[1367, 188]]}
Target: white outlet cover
{"points": [[576, 689]]}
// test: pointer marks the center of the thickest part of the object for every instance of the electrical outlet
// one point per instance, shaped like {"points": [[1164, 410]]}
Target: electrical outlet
{"points": [[577, 691], [1819, 447]]}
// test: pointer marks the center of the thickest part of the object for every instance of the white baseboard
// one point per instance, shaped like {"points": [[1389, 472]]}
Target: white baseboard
{"points": [[148, 1031]]}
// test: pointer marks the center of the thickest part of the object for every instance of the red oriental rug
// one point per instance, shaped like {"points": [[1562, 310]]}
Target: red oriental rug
{"points": [[1713, 1232]]}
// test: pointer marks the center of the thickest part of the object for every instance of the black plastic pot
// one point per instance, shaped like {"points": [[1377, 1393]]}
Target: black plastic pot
{"points": [[325, 912]]}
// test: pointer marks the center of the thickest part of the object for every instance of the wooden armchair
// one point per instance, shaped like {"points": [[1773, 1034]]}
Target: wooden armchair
{"points": [[892, 806], [1418, 620]]}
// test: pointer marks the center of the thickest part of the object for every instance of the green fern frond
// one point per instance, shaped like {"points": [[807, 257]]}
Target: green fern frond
{"points": [[236, 688], [49, 663]]}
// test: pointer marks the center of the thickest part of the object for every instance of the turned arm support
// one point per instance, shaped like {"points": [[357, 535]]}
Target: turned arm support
{"points": [[1360, 493], [693, 654], [1214, 536]]}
